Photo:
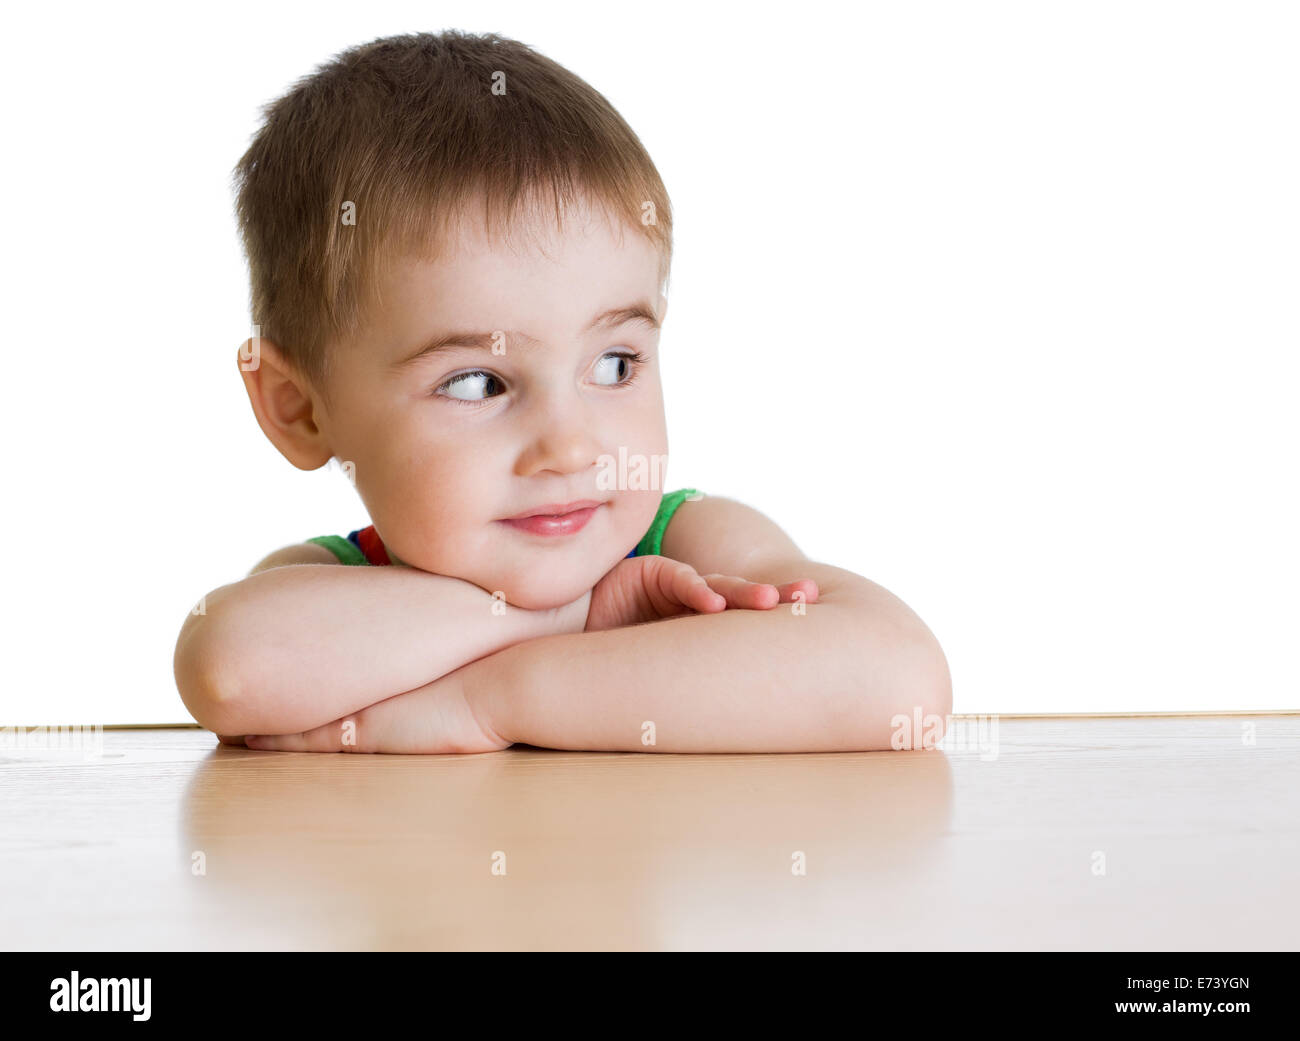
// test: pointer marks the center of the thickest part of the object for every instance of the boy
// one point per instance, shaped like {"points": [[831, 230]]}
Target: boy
{"points": [[458, 252]]}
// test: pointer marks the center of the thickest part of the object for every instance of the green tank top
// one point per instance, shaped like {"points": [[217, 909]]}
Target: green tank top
{"points": [[364, 545]]}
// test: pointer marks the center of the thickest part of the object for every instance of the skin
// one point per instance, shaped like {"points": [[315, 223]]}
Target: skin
{"points": [[437, 476], [437, 473]]}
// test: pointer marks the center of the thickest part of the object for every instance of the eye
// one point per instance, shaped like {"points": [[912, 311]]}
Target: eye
{"points": [[618, 367], [470, 386]]}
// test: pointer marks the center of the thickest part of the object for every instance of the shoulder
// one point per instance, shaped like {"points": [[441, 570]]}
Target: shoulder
{"points": [[715, 534], [300, 553]]}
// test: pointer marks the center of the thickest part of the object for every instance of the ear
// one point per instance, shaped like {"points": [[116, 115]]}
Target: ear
{"points": [[663, 308], [285, 407]]}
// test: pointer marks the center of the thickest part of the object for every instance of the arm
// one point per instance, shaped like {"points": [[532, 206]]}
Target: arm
{"points": [[831, 679], [295, 646]]}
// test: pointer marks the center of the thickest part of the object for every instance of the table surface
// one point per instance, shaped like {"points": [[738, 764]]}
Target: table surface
{"points": [[1050, 833]]}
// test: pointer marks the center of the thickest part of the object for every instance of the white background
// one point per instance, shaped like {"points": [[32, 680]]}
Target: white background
{"points": [[993, 303]]}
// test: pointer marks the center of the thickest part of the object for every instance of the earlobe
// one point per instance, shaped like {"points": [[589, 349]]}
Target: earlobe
{"points": [[282, 404]]}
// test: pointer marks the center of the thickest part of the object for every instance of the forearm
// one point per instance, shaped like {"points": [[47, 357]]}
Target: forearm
{"points": [[829, 678], [294, 647]]}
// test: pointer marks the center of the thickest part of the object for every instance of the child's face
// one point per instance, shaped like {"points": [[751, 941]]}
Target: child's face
{"points": [[440, 465]]}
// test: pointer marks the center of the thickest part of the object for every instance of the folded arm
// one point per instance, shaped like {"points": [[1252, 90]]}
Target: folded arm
{"points": [[827, 676], [295, 646], [832, 678]]}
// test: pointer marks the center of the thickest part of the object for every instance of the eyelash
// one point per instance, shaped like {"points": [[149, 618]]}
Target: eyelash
{"points": [[635, 358]]}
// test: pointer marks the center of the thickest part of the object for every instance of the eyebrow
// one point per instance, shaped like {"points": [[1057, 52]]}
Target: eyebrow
{"points": [[641, 311]]}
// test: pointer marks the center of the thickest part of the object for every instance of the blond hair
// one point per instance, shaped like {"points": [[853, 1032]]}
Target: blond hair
{"points": [[408, 130]]}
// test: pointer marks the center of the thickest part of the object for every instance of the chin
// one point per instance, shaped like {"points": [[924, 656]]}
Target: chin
{"points": [[540, 596], [542, 592]]}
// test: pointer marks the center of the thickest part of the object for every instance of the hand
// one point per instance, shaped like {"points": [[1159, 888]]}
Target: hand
{"points": [[435, 719], [646, 589]]}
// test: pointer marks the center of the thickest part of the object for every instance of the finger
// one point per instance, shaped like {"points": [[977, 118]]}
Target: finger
{"points": [[271, 742], [690, 590], [321, 739], [805, 586], [741, 593], [705, 598]]}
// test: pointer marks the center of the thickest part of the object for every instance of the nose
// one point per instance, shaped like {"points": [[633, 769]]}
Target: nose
{"points": [[562, 441]]}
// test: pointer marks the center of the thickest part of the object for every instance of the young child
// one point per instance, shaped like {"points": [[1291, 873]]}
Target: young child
{"points": [[458, 253]]}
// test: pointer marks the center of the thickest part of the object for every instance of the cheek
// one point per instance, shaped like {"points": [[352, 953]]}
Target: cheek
{"points": [[453, 495], [654, 429], [634, 514]]}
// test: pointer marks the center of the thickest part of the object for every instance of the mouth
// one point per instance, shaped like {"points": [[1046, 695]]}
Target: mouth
{"points": [[555, 518]]}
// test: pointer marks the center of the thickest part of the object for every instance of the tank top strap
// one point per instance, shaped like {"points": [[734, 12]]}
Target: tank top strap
{"points": [[347, 552], [652, 541], [369, 542], [363, 546]]}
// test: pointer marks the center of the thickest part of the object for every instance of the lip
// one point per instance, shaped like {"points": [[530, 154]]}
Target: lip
{"points": [[556, 508], [561, 518]]}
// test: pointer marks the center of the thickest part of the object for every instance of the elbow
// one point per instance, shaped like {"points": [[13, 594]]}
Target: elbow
{"points": [[901, 680], [206, 684], [928, 681], [907, 705], [940, 682]]}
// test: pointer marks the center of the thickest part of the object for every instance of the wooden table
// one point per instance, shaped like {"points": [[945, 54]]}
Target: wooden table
{"points": [[1166, 833]]}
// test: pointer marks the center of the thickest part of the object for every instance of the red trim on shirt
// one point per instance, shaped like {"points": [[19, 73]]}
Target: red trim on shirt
{"points": [[372, 546]]}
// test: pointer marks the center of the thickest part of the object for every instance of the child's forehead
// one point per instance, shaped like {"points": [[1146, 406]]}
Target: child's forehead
{"points": [[580, 256], [535, 276], [532, 231], [540, 265], [500, 285]]}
